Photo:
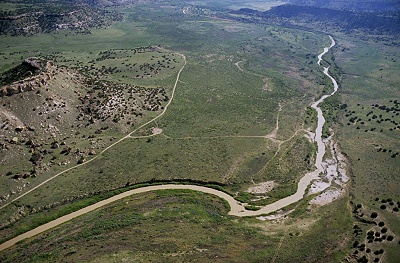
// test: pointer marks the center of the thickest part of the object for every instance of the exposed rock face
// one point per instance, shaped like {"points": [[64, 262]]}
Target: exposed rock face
{"points": [[30, 66], [35, 62]]}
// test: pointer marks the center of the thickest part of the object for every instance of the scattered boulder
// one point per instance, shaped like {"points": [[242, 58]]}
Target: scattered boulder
{"points": [[66, 150], [55, 145], [19, 128], [36, 157], [17, 176]]}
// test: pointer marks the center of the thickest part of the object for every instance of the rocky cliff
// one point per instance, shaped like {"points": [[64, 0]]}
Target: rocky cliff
{"points": [[31, 74]]}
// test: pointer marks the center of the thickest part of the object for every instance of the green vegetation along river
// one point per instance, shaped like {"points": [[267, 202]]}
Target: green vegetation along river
{"points": [[236, 208]]}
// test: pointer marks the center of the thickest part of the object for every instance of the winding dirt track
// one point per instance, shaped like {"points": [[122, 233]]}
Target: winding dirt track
{"points": [[236, 208], [110, 146]]}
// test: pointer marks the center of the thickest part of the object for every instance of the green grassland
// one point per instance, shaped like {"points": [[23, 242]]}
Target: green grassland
{"points": [[231, 102], [368, 132], [233, 161], [171, 226], [229, 94]]}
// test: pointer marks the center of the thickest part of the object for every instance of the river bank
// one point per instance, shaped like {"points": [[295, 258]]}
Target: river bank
{"points": [[332, 167]]}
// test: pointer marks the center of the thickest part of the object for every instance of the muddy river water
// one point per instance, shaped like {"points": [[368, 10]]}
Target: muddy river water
{"points": [[236, 208]]}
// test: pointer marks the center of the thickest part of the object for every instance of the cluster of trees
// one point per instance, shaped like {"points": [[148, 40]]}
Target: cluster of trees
{"points": [[377, 234], [48, 16], [378, 115], [146, 69], [120, 101], [116, 104], [149, 69], [113, 53]]}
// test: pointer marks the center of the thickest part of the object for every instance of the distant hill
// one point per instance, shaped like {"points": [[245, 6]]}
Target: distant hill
{"points": [[48, 16], [347, 21], [118, 2], [352, 5]]}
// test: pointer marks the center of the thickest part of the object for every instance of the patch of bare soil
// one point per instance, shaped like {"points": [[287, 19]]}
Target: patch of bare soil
{"points": [[280, 215], [261, 188], [156, 131], [327, 197], [266, 86]]}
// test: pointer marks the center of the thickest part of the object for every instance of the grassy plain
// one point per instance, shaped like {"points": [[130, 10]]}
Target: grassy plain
{"points": [[184, 226], [369, 134], [214, 97], [237, 78]]}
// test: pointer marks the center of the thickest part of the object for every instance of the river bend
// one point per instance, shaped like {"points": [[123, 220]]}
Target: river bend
{"points": [[236, 208]]}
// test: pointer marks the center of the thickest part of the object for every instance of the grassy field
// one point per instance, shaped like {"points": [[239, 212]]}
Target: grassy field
{"points": [[171, 226], [369, 135], [230, 102], [239, 79], [368, 132]]}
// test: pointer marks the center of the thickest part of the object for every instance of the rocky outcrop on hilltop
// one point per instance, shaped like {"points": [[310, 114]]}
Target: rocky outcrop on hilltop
{"points": [[53, 115], [31, 74]]}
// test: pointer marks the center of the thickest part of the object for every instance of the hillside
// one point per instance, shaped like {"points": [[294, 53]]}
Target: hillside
{"points": [[54, 115], [29, 67], [44, 17], [290, 114], [352, 5], [320, 17]]}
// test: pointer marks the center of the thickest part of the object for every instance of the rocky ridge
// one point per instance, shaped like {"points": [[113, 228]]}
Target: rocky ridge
{"points": [[41, 71]]}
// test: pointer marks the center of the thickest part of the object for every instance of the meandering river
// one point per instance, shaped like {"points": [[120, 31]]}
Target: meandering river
{"points": [[236, 208]]}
